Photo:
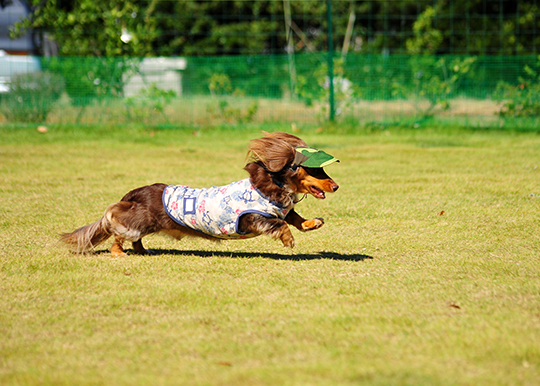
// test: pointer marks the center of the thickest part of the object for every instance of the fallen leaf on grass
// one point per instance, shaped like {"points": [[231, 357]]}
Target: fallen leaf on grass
{"points": [[454, 306], [442, 212]]}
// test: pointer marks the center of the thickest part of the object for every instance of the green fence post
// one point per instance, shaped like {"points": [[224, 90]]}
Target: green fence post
{"points": [[332, 113]]}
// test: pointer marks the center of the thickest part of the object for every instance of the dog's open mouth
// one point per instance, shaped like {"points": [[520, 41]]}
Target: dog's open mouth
{"points": [[317, 193]]}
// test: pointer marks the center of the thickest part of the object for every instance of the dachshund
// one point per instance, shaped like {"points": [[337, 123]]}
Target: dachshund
{"points": [[281, 168]]}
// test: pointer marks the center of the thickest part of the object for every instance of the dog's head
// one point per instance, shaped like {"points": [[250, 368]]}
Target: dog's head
{"points": [[290, 162]]}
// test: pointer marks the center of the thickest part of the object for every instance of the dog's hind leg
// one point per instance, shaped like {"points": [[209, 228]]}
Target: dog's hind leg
{"points": [[140, 249], [117, 249], [123, 223], [286, 236]]}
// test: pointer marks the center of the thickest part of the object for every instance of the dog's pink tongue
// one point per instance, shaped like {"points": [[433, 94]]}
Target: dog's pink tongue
{"points": [[320, 195], [317, 193]]}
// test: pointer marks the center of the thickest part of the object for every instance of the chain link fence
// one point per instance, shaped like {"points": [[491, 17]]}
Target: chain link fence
{"points": [[368, 88], [467, 63]]}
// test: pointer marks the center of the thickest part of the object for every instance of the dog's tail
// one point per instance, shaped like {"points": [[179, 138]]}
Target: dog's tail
{"points": [[88, 236]]}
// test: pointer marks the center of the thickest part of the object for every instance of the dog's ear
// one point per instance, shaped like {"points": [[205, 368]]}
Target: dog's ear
{"points": [[275, 154]]}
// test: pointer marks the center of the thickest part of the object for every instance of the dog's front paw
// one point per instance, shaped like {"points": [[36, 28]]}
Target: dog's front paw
{"points": [[310, 225]]}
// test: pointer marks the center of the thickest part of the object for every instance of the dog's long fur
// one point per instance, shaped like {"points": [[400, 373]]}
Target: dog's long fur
{"points": [[141, 211]]}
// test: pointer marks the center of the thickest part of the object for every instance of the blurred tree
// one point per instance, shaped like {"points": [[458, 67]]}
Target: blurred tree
{"points": [[477, 27], [95, 28], [226, 27]]}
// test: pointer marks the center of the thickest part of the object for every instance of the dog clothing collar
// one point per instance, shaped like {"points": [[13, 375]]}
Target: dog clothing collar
{"points": [[312, 158]]}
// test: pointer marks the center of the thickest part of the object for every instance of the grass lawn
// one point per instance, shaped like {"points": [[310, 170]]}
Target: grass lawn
{"points": [[426, 272]]}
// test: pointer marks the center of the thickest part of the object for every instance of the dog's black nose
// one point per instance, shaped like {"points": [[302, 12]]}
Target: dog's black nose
{"points": [[335, 187]]}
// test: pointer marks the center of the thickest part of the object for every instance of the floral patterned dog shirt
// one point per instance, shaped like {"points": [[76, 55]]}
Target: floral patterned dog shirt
{"points": [[216, 211]]}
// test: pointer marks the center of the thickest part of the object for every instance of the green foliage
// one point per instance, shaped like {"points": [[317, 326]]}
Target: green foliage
{"points": [[475, 27], [220, 84], [31, 96], [216, 27], [521, 100], [95, 28], [432, 79], [250, 75], [222, 110], [373, 74], [314, 88], [88, 79], [226, 27], [150, 101], [426, 39]]}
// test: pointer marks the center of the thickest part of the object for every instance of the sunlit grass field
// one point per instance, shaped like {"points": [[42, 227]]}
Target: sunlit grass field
{"points": [[426, 272]]}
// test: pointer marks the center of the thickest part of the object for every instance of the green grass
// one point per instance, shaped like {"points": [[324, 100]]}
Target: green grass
{"points": [[427, 271]]}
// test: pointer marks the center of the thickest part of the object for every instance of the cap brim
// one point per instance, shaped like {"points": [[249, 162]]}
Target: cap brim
{"points": [[314, 158]]}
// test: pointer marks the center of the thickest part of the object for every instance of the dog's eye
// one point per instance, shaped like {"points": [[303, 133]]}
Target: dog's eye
{"points": [[316, 172]]}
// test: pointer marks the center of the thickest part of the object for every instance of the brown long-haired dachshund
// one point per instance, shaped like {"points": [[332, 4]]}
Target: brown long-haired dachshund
{"points": [[281, 168]]}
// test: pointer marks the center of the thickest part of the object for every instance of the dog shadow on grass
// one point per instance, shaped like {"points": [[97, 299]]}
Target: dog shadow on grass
{"points": [[250, 255]]}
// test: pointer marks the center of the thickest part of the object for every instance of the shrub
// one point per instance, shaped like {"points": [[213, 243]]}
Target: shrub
{"points": [[88, 79], [31, 96], [433, 80], [314, 89], [220, 84], [223, 111], [521, 100], [150, 100]]}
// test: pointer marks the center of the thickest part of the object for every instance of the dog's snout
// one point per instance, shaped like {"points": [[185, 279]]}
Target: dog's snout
{"points": [[335, 187]]}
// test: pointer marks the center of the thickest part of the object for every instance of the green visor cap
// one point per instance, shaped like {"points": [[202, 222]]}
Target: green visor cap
{"points": [[313, 158]]}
